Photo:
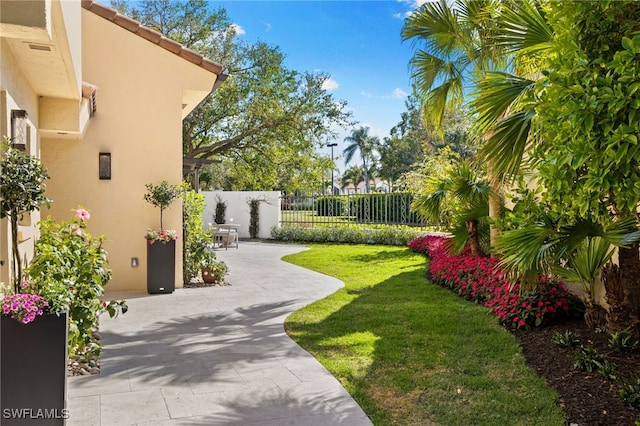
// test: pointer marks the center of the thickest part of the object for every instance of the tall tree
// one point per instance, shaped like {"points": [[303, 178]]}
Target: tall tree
{"points": [[362, 143], [404, 147], [457, 46], [261, 108]]}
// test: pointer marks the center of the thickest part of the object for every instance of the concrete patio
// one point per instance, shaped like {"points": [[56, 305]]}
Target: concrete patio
{"points": [[216, 355]]}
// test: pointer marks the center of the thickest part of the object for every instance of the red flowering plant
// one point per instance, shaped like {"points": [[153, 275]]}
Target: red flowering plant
{"points": [[480, 279]]}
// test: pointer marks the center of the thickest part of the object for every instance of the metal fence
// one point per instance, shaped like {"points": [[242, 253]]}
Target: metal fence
{"points": [[376, 208]]}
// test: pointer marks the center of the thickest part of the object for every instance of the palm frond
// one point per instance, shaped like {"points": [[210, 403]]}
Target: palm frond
{"points": [[495, 95], [429, 205], [460, 237], [435, 25], [585, 264], [427, 69], [524, 28], [508, 143], [524, 251]]}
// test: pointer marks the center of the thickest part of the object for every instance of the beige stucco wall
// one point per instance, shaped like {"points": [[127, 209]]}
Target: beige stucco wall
{"points": [[139, 121], [16, 93]]}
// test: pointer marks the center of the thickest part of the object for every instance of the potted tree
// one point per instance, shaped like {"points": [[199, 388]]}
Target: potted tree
{"points": [[161, 243]]}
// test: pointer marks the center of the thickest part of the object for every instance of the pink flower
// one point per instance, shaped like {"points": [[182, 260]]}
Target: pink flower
{"points": [[82, 215]]}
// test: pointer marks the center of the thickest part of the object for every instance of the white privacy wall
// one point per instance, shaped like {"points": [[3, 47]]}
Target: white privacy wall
{"points": [[238, 209]]}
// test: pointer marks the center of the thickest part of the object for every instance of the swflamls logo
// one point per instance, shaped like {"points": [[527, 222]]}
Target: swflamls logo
{"points": [[35, 413]]}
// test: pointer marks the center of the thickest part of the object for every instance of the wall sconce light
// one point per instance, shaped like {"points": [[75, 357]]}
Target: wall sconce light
{"points": [[18, 129], [104, 165]]}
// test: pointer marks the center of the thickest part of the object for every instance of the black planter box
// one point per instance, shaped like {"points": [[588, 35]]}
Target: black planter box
{"points": [[33, 370], [161, 267]]}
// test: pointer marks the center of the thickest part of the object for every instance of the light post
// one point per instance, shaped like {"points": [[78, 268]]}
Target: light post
{"points": [[331, 145]]}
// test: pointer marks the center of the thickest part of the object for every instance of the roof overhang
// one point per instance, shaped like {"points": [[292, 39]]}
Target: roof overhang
{"points": [[44, 36]]}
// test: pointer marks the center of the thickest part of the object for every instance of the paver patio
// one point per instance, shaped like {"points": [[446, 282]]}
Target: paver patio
{"points": [[216, 355]]}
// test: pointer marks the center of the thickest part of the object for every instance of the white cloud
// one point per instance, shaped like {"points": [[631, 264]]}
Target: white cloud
{"points": [[413, 5], [330, 84], [375, 131], [397, 93], [239, 30]]}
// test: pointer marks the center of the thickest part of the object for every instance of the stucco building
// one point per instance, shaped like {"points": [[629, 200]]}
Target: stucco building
{"points": [[80, 82]]}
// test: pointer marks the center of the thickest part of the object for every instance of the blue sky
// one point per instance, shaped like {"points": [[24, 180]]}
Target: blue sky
{"points": [[357, 42]]}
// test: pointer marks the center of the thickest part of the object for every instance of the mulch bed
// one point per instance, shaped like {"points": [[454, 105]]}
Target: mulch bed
{"points": [[586, 398]]}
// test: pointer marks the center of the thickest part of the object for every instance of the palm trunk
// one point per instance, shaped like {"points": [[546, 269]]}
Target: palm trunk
{"points": [[366, 176], [595, 316], [474, 239], [622, 289], [495, 203]]}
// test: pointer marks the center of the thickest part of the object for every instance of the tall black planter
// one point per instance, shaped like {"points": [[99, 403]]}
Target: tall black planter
{"points": [[161, 267], [33, 368]]}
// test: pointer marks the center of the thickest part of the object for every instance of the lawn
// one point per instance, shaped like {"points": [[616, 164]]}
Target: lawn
{"points": [[413, 353]]}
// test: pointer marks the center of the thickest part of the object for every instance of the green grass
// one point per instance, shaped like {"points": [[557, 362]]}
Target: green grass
{"points": [[410, 352]]}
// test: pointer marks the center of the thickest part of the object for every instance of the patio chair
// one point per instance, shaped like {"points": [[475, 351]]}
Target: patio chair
{"points": [[225, 237]]}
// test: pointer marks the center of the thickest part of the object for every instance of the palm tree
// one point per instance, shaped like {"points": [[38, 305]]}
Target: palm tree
{"points": [[459, 47], [361, 142], [576, 252], [462, 185], [504, 101], [353, 175]]}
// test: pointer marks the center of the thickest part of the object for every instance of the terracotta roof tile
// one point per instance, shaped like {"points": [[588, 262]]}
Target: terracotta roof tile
{"points": [[191, 56], [126, 22], [149, 34], [155, 37], [170, 45]]}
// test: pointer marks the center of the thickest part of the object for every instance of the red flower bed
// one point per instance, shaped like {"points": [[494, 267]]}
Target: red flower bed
{"points": [[480, 279]]}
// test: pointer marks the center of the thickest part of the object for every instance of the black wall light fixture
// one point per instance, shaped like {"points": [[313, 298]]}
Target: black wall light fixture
{"points": [[19, 129], [104, 165]]}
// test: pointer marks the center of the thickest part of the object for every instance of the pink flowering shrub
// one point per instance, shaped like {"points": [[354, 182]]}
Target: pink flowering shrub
{"points": [[23, 307], [480, 279]]}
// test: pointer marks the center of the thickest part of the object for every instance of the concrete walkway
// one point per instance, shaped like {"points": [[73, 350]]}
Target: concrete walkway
{"points": [[216, 355]]}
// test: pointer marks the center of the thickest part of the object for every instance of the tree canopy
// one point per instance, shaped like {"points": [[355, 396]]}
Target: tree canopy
{"points": [[264, 115]]}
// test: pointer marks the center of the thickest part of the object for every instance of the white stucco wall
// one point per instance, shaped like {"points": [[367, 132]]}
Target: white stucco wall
{"points": [[238, 209]]}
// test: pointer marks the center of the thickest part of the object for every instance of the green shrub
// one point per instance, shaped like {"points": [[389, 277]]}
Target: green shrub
{"points": [[393, 236], [331, 206], [588, 359], [196, 238], [221, 210], [622, 341], [630, 393], [568, 339]]}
